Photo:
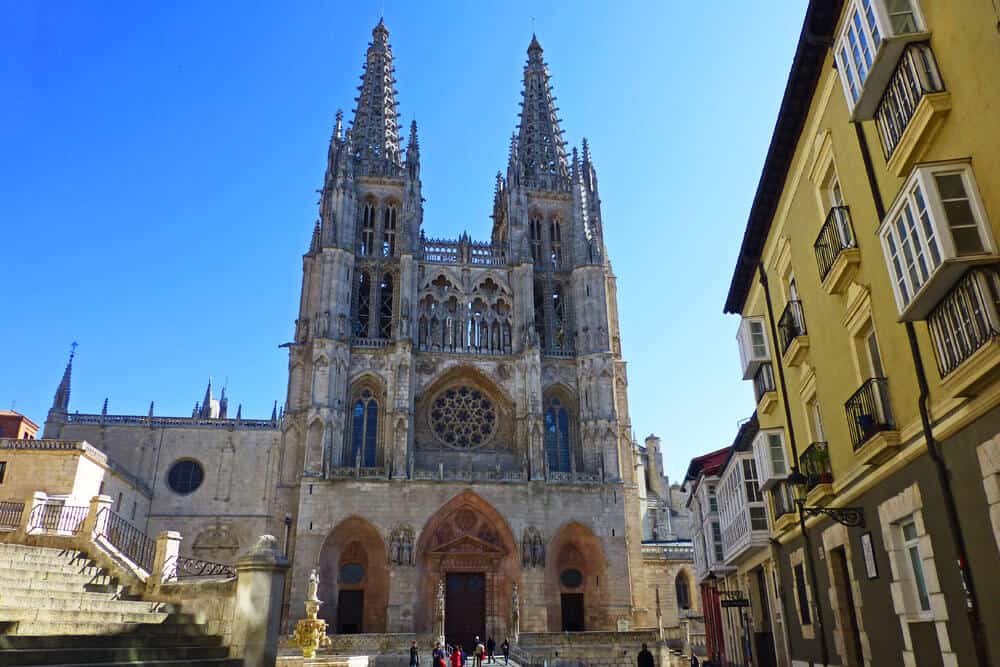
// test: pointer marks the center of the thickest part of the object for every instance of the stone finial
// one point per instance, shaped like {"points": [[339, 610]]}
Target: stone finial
{"points": [[274, 412], [60, 403], [104, 408], [151, 409]]}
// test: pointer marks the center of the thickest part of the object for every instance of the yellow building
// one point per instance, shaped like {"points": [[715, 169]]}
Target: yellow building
{"points": [[869, 291]]}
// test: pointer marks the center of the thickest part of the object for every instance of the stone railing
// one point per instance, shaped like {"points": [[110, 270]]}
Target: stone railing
{"points": [[462, 250], [154, 570], [669, 551], [168, 422], [358, 472], [574, 477], [446, 475], [376, 343]]}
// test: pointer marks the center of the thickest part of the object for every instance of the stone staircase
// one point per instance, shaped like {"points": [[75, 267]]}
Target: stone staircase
{"points": [[58, 608]]}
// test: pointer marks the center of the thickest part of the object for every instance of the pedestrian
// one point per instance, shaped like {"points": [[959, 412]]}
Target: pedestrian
{"points": [[477, 653], [505, 647], [694, 660], [456, 656], [437, 657], [491, 647], [645, 658], [414, 655]]}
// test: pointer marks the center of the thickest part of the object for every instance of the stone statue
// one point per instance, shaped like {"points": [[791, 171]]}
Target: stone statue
{"points": [[407, 554], [439, 614], [515, 614], [538, 552], [310, 632], [525, 551], [313, 589], [394, 549]]}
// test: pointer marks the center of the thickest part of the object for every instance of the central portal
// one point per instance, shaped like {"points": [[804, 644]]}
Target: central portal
{"points": [[465, 609]]}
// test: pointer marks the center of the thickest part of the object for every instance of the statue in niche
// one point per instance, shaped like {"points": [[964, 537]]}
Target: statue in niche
{"points": [[532, 548], [401, 545], [515, 614]]}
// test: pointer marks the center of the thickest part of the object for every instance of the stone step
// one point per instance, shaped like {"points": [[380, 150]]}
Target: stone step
{"points": [[138, 639], [77, 566], [89, 655], [44, 587], [74, 594], [74, 627], [80, 602], [27, 617], [206, 662], [24, 577], [9, 550]]}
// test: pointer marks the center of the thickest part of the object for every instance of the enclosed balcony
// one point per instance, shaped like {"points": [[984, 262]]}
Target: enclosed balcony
{"points": [[874, 35], [837, 254], [764, 389], [870, 421], [935, 231], [785, 512], [769, 456], [965, 328], [792, 334], [912, 108], [753, 344]]}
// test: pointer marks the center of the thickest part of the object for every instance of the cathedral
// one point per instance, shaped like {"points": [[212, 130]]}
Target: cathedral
{"points": [[456, 421]]}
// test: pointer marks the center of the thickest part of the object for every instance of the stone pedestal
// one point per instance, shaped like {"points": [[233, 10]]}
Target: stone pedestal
{"points": [[260, 587]]}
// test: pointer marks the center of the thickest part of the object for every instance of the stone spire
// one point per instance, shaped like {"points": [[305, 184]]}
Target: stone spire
{"points": [[60, 403], [223, 404], [206, 404], [540, 149], [375, 131]]}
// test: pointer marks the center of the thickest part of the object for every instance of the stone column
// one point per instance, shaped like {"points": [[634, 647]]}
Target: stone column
{"points": [[36, 499], [260, 588], [168, 546], [97, 519]]}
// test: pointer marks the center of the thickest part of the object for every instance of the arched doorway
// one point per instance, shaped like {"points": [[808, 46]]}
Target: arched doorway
{"points": [[468, 548], [576, 588], [354, 578]]}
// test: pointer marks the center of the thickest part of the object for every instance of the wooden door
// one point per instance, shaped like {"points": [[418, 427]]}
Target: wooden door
{"points": [[465, 609], [350, 612], [572, 612]]}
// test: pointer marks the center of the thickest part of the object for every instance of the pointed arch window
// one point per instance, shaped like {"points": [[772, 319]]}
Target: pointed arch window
{"points": [[362, 309], [559, 313], [557, 437], [540, 313], [385, 307], [368, 229], [389, 231], [422, 332], [555, 237], [536, 240], [683, 589], [364, 429]]}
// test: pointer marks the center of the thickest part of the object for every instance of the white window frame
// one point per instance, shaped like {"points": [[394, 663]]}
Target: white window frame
{"points": [[915, 247], [920, 599], [866, 25], [764, 449], [751, 356]]}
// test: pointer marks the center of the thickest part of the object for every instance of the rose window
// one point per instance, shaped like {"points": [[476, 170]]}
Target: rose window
{"points": [[463, 417]]}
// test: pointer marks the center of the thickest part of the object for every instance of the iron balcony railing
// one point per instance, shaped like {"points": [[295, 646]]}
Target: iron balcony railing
{"points": [[868, 411], [836, 236], [791, 324], [815, 465], [58, 518], [763, 380], [10, 515], [129, 540], [916, 75], [193, 567], [966, 319]]}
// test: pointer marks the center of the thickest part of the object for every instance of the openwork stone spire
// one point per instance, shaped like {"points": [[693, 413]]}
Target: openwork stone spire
{"points": [[60, 403], [375, 132], [540, 147]]}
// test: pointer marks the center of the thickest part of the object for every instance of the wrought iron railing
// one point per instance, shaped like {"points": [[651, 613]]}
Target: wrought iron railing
{"points": [[128, 539], [814, 462], [791, 324], [916, 75], [57, 518], [868, 411], [194, 567], [10, 515], [763, 380], [835, 236], [966, 319]]}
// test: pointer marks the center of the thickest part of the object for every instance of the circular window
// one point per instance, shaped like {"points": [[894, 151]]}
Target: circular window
{"points": [[352, 573], [463, 417], [571, 578], [185, 476]]}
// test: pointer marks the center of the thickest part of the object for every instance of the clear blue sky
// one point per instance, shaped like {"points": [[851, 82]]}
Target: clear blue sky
{"points": [[159, 161]]}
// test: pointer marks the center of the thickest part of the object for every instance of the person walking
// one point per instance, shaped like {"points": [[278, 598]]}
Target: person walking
{"points": [[505, 647], [415, 655], [694, 660], [477, 653], [645, 658], [437, 657], [456, 656], [491, 647]]}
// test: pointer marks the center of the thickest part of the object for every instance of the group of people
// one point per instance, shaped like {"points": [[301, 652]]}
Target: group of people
{"points": [[455, 656]]}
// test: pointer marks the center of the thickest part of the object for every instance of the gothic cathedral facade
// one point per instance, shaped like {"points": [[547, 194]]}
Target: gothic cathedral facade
{"points": [[459, 407]]}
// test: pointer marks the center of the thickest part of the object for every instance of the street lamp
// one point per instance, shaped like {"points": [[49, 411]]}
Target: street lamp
{"points": [[852, 517]]}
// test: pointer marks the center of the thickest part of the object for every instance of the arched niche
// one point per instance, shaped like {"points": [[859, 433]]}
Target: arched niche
{"points": [[570, 604], [354, 603]]}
